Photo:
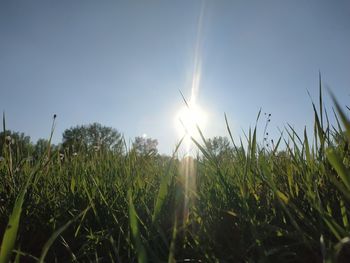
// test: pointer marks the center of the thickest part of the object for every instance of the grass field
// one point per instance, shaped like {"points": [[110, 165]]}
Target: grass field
{"points": [[288, 202]]}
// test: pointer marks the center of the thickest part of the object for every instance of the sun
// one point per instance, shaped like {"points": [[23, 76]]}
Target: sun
{"points": [[186, 121]]}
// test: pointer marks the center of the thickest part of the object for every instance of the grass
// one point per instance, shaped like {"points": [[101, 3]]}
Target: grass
{"points": [[285, 203]]}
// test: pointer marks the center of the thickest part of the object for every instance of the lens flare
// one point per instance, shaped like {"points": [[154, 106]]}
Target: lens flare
{"points": [[192, 116], [187, 120]]}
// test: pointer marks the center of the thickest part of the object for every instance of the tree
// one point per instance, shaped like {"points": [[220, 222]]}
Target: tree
{"points": [[92, 137], [19, 143], [219, 146], [145, 146], [40, 148]]}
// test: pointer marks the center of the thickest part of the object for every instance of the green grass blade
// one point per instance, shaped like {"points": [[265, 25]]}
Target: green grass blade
{"points": [[253, 146], [135, 231], [9, 239], [320, 98], [230, 133], [4, 124], [277, 145], [343, 211], [10, 234], [307, 148], [338, 165], [343, 117], [340, 129], [58, 232], [171, 257], [164, 185]]}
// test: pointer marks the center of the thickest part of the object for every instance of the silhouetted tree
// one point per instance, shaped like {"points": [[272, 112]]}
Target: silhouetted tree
{"points": [[145, 146], [219, 145], [40, 148], [93, 136]]}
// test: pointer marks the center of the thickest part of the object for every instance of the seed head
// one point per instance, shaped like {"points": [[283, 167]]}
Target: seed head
{"points": [[9, 140], [96, 148]]}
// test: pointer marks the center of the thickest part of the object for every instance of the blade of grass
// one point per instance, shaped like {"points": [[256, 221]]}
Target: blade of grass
{"points": [[10, 235], [58, 232], [9, 239], [338, 165], [164, 184], [135, 231], [342, 115]]}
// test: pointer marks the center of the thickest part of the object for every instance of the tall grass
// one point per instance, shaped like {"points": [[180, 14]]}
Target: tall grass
{"points": [[250, 204]]}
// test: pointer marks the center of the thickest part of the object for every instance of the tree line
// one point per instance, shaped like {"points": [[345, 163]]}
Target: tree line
{"points": [[81, 138], [92, 138]]}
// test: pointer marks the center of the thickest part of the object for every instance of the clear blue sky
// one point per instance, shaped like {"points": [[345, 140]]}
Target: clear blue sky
{"points": [[122, 63]]}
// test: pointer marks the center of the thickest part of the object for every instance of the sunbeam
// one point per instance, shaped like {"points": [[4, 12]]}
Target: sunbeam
{"points": [[191, 116], [188, 119]]}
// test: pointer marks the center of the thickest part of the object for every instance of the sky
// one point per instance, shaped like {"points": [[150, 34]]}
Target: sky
{"points": [[124, 63]]}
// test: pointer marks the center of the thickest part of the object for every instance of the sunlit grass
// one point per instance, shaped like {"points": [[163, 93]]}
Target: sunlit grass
{"points": [[286, 203]]}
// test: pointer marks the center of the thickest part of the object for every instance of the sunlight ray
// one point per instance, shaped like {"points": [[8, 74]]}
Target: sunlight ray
{"points": [[191, 115], [188, 119]]}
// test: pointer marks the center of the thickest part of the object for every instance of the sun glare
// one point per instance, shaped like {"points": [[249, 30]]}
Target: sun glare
{"points": [[191, 117], [187, 120]]}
